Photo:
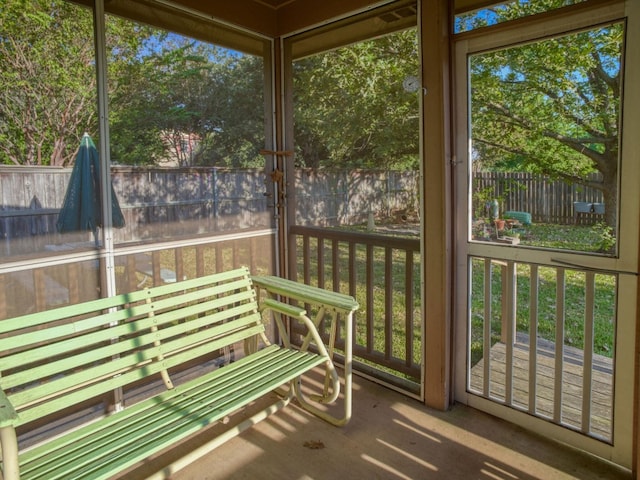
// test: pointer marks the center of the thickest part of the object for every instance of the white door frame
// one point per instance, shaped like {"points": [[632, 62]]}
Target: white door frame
{"points": [[620, 451]]}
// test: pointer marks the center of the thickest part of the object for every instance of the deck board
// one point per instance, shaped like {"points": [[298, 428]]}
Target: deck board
{"points": [[572, 388]]}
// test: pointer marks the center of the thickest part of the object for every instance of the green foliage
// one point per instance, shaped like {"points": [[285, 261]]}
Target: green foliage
{"points": [[507, 11], [351, 110], [166, 92], [47, 81], [606, 239], [189, 103], [551, 107]]}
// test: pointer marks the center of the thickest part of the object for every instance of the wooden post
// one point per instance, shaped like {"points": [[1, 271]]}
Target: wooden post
{"points": [[436, 205]]}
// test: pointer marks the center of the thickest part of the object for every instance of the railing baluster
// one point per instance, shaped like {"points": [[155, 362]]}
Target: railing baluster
{"points": [[335, 264], [320, 252], [306, 249], [369, 298], [408, 301], [587, 364], [510, 280], [388, 303], [3, 296], [559, 346], [353, 275], [219, 257], [179, 264], [74, 279], [533, 337], [486, 343], [40, 289]]}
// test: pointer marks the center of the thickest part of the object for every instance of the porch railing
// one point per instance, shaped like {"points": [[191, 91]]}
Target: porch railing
{"points": [[382, 273], [542, 341]]}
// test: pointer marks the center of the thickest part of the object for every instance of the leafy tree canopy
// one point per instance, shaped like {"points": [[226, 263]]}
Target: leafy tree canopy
{"points": [[551, 107], [189, 103], [47, 81], [351, 110], [170, 98]]}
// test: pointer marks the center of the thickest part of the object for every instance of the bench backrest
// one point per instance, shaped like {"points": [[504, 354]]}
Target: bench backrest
{"points": [[52, 360]]}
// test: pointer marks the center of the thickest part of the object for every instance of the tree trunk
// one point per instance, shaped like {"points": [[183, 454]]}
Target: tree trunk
{"points": [[610, 196]]}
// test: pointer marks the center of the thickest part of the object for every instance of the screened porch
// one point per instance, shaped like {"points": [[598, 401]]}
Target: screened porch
{"points": [[457, 373]]}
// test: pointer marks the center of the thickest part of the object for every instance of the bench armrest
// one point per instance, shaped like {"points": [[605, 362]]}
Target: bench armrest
{"points": [[284, 308], [306, 293], [296, 313]]}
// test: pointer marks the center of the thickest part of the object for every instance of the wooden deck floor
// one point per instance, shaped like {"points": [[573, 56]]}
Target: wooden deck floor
{"points": [[545, 396]]}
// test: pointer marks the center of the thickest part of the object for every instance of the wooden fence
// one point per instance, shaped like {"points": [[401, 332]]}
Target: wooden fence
{"points": [[347, 197], [548, 201], [186, 201], [177, 200]]}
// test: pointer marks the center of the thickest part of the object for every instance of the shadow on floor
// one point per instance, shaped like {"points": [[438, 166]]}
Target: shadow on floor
{"points": [[390, 436]]}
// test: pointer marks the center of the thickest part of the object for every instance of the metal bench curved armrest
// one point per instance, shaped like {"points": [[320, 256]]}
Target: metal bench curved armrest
{"points": [[336, 305], [300, 314]]}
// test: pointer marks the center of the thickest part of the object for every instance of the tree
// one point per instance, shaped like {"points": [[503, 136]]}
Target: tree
{"points": [[551, 107], [47, 81], [48, 78], [188, 103], [351, 110]]}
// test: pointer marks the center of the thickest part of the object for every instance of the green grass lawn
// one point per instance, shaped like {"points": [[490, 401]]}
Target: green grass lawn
{"points": [[582, 238]]}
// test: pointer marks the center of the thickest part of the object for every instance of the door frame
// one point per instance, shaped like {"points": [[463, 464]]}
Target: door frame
{"points": [[621, 449]]}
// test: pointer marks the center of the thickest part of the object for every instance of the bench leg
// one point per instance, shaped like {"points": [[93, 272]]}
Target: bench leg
{"points": [[9, 442], [332, 373], [203, 450]]}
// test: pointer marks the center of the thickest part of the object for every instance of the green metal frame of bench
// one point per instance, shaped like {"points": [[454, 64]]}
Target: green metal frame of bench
{"points": [[53, 360]]}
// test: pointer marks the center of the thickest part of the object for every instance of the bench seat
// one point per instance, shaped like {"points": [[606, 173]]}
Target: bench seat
{"points": [[129, 436], [59, 361]]}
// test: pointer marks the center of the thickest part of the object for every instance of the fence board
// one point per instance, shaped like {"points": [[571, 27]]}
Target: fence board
{"points": [[547, 200]]}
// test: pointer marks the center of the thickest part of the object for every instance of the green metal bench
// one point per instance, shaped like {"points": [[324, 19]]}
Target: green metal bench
{"points": [[92, 352]]}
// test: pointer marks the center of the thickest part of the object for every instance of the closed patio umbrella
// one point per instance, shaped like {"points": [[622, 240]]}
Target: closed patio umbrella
{"points": [[81, 210]]}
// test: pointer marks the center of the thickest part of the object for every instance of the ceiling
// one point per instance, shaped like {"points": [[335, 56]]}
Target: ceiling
{"points": [[275, 18], [244, 25], [274, 3]]}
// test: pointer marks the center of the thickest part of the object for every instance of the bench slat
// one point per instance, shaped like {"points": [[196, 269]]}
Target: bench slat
{"points": [[149, 427], [104, 304], [110, 384], [102, 348], [232, 372], [75, 328]]}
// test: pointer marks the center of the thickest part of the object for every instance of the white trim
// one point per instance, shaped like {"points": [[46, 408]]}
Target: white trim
{"points": [[105, 155], [92, 254]]}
